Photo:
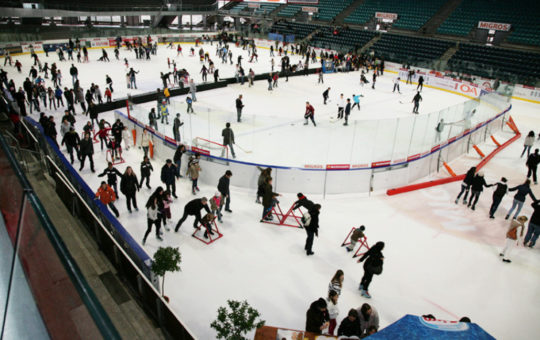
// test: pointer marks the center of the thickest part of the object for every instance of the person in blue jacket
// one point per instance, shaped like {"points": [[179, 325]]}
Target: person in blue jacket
{"points": [[519, 198]]}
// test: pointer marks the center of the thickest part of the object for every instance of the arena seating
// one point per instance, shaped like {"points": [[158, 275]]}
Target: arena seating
{"points": [[412, 14], [238, 7], [496, 62], [523, 16], [299, 30], [346, 38], [328, 9], [412, 50], [103, 4]]}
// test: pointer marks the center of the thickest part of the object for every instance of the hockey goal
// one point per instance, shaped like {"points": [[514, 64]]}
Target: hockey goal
{"points": [[213, 148]]}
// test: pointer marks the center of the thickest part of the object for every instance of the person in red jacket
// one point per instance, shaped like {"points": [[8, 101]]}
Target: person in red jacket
{"points": [[310, 114], [107, 196]]}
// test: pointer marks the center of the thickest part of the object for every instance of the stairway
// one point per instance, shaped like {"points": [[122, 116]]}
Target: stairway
{"points": [[347, 11], [276, 10], [442, 14], [443, 60], [370, 43]]}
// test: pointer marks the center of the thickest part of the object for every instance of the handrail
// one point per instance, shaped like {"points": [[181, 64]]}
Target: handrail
{"points": [[95, 309]]}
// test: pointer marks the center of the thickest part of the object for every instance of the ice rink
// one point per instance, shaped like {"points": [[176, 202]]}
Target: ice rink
{"points": [[440, 258]]}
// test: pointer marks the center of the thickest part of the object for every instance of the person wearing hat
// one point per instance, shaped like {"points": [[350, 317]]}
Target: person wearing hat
{"points": [[176, 127], [168, 176], [193, 208], [512, 237], [302, 202], [317, 318], [223, 188], [498, 195], [477, 187]]}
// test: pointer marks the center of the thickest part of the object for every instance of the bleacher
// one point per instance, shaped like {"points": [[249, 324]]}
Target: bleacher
{"points": [[413, 50], [347, 39], [97, 5], [299, 30], [238, 7], [523, 15], [412, 14], [328, 9], [496, 62], [266, 8]]}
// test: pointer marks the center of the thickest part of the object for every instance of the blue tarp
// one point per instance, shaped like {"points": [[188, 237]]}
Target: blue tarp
{"points": [[412, 327]]}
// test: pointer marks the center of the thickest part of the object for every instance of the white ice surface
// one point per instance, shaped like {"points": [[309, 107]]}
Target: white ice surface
{"points": [[440, 258]]}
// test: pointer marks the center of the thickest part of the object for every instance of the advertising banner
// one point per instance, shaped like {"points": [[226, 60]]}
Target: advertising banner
{"points": [[497, 26], [384, 15]]}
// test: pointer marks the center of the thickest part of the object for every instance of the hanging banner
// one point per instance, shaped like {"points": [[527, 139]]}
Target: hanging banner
{"points": [[497, 26], [383, 15]]}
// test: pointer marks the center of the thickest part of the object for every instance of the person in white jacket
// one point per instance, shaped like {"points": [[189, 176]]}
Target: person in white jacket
{"points": [[126, 138], [145, 142], [529, 141], [333, 310], [396, 85], [341, 106]]}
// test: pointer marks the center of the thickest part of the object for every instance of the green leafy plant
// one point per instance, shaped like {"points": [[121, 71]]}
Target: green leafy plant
{"points": [[234, 323], [166, 260]]}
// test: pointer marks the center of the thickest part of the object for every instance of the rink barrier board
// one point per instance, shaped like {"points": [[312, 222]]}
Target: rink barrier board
{"points": [[320, 179]]}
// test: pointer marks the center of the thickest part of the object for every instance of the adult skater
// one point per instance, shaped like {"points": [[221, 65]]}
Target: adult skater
{"points": [[309, 114], [512, 237], [168, 174], [268, 199], [146, 170], [374, 79], [416, 100], [176, 127], [111, 172], [420, 84], [312, 228], [302, 202], [519, 198], [347, 111], [341, 106], [477, 187], [325, 95], [498, 194], [193, 208], [529, 141], [373, 266], [228, 139], [368, 318], [129, 185], [532, 164], [396, 85], [239, 107], [145, 142], [72, 140], [317, 318], [107, 196], [152, 218], [533, 231], [177, 158], [223, 188], [466, 184], [87, 150]]}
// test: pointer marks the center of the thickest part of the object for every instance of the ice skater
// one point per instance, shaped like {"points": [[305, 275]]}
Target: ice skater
{"points": [[532, 165], [519, 198], [466, 184], [373, 266], [341, 106], [512, 237], [228, 139], [325, 95], [347, 112], [529, 141], [416, 100], [374, 80], [357, 234], [533, 231], [420, 86], [498, 194], [477, 187], [309, 114], [176, 127], [193, 208], [356, 99], [396, 85]]}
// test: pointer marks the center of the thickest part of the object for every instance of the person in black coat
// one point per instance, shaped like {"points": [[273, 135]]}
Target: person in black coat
{"points": [[193, 208], [533, 231], [112, 180], [466, 184], [72, 140], [86, 147], [317, 317], [477, 187], [498, 194], [325, 95], [177, 158], [312, 228], [350, 325], [347, 111], [168, 174], [129, 185], [373, 265], [50, 130], [146, 169], [302, 202], [532, 164], [116, 131], [223, 188]]}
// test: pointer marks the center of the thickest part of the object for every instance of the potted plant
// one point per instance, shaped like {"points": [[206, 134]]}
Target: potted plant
{"points": [[166, 260], [234, 323]]}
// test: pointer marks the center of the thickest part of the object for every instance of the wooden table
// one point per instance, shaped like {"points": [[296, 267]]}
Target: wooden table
{"points": [[270, 333]]}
